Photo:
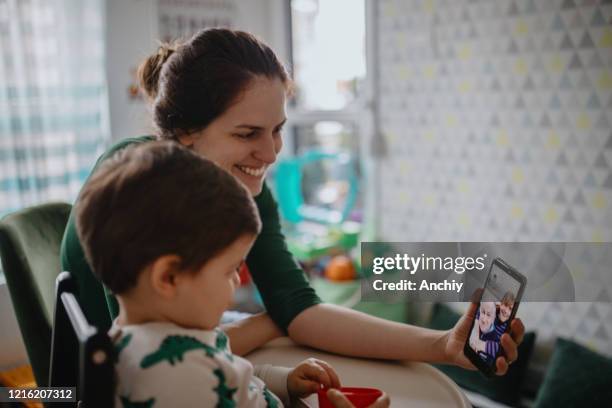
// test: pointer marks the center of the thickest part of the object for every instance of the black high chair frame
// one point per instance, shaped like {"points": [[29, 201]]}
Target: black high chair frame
{"points": [[82, 356]]}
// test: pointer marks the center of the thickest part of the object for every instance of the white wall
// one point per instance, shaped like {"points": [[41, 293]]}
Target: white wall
{"points": [[131, 36], [490, 139]]}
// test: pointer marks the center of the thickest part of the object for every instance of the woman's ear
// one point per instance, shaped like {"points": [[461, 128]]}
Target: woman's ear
{"points": [[163, 276]]}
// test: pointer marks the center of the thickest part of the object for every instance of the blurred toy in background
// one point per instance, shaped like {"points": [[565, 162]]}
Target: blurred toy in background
{"points": [[317, 186], [318, 197], [340, 268], [317, 193]]}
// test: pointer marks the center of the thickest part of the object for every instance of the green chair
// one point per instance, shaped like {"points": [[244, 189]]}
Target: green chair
{"points": [[30, 242]]}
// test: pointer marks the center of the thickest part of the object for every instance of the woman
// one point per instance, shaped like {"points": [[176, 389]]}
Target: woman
{"points": [[223, 94]]}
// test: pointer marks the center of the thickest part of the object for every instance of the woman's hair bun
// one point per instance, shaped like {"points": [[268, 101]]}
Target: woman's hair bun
{"points": [[149, 70]]}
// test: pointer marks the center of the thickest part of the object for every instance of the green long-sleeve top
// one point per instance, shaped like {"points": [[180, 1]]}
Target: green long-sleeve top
{"points": [[282, 284]]}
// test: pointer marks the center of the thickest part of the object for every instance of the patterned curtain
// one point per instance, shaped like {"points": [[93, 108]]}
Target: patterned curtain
{"points": [[53, 98]]}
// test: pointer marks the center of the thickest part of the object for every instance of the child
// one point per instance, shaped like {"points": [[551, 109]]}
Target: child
{"points": [[170, 252], [505, 307], [503, 316]]}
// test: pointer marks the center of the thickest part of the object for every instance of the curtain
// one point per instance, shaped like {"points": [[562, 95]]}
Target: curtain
{"points": [[54, 118]]}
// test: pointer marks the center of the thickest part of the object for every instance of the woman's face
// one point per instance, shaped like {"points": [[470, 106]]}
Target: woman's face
{"points": [[246, 138]]}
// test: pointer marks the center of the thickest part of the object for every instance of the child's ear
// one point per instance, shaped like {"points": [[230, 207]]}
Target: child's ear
{"points": [[186, 139], [163, 276]]}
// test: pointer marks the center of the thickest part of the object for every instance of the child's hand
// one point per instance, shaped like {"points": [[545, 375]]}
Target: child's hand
{"points": [[308, 376]]}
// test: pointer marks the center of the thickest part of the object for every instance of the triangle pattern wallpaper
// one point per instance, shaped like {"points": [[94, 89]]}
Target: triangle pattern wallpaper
{"points": [[496, 117]]}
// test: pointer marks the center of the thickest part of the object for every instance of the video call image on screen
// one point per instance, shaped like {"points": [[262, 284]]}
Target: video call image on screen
{"points": [[493, 314]]}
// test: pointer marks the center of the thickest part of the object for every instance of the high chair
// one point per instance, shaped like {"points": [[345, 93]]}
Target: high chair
{"points": [[82, 356]]}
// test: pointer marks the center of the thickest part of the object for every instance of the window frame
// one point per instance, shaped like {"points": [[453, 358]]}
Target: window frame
{"points": [[362, 114]]}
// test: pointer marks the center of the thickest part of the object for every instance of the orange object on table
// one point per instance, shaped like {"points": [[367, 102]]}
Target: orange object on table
{"points": [[340, 268]]}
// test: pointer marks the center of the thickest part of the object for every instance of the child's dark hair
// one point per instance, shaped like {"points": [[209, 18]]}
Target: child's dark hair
{"points": [[192, 84], [158, 199]]}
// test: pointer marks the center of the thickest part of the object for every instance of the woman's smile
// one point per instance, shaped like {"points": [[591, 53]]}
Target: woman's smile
{"points": [[256, 172]]}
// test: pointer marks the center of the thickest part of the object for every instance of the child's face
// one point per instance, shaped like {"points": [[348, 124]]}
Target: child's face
{"points": [[487, 316], [204, 296], [505, 311]]}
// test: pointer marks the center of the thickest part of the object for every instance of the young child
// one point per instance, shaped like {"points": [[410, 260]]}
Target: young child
{"points": [[505, 307], [503, 316], [170, 252]]}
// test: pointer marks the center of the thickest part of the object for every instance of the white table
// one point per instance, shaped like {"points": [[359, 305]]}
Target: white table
{"points": [[407, 384]]}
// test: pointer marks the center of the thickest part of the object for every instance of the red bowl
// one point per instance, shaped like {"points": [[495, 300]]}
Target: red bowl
{"points": [[359, 396]]}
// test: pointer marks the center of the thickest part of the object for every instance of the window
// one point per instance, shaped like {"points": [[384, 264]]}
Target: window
{"points": [[329, 61], [329, 113]]}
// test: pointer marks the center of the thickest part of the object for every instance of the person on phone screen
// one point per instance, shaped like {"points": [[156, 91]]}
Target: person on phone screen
{"points": [[484, 338], [505, 310]]}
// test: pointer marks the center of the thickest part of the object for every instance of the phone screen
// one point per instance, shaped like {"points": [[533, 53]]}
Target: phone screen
{"points": [[496, 309]]}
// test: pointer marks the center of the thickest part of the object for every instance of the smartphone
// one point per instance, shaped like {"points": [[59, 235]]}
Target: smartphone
{"points": [[497, 305]]}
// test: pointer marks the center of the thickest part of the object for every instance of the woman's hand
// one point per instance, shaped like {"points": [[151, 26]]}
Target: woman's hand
{"points": [[338, 400], [456, 337], [308, 376]]}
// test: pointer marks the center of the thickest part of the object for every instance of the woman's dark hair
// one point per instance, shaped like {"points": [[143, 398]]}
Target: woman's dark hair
{"points": [[148, 201], [193, 83]]}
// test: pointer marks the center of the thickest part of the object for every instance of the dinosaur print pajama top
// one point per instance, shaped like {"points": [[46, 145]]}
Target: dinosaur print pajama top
{"points": [[161, 364]]}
